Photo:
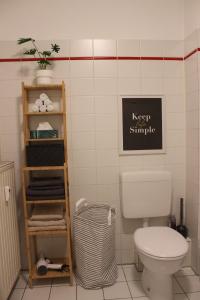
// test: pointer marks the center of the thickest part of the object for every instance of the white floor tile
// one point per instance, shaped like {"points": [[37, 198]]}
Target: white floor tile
{"points": [[186, 271], [83, 294], [180, 297], [61, 281], [118, 290], [17, 294], [194, 296], [37, 293], [121, 276], [176, 287], [136, 288], [189, 284], [21, 282], [63, 293], [42, 282], [131, 273]]}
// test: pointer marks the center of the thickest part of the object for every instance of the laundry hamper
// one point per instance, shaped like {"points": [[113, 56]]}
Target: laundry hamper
{"points": [[94, 245]]}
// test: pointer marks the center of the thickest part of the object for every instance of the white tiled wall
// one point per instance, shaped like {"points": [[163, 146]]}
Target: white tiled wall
{"points": [[93, 87], [192, 76]]}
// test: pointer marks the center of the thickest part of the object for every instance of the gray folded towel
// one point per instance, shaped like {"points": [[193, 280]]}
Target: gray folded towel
{"points": [[44, 212]]}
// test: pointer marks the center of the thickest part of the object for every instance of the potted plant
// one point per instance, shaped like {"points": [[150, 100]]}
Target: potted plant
{"points": [[43, 75]]}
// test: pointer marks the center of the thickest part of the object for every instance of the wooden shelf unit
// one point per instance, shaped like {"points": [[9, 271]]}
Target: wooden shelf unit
{"points": [[31, 236]]}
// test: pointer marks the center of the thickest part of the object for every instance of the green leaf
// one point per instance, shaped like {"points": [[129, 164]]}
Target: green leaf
{"points": [[46, 53], [24, 40], [44, 62], [55, 48], [30, 52]]}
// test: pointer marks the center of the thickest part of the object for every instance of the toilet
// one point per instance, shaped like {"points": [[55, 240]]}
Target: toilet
{"points": [[147, 194]]}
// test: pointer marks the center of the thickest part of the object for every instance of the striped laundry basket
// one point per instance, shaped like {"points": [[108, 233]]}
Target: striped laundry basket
{"points": [[94, 245]]}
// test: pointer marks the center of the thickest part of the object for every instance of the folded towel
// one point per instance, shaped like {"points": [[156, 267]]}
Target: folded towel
{"points": [[48, 192], [35, 108], [46, 181], [47, 102], [49, 197], [50, 107], [44, 212], [47, 187], [39, 102], [43, 96], [62, 227], [46, 223], [43, 108]]}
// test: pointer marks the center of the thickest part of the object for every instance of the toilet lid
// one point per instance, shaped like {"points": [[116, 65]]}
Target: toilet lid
{"points": [[162, 242]]}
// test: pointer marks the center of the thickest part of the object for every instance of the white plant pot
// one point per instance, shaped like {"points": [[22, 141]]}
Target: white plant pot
{"points": [[44, 76]]}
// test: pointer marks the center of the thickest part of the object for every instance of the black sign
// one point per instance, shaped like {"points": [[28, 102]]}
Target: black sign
{"points": [[142, 123]]}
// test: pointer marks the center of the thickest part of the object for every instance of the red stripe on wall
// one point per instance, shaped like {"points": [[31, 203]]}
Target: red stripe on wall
{"points": [[102, 58]]}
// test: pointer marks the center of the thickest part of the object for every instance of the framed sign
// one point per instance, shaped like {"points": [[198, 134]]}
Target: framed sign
{"points": [[141, 124]]}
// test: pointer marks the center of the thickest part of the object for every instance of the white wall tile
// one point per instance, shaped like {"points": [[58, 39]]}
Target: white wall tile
{"points": [[152, 86], [107, 175], [128, 48], [151, 48], [82, 122], [106, 122], [105, 48], [105, 68], [128, 86], [173, 68], [107, 139], [107, 157], [105, 86], [82, 86], [81, 68], [106, 105], [81, 176], [81, 47], [83, 140], [129, 68], [82, 104], [173, 48], [152, 68], [84, 158]]}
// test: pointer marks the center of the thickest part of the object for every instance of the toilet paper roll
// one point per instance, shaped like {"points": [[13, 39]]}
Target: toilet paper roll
{"points": [[38, 102], [35, 108], [43, 108], [50, 107], [43, 96], [47, 102]]}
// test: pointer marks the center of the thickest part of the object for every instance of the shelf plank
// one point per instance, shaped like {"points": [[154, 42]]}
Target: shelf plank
{"points": [[43, 86], [47, 232], [45, 140], [38, 202], [44, 113], [44, 168]]}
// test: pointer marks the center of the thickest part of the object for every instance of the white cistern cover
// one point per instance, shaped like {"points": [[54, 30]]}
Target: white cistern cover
{"points": [[162, 242]]}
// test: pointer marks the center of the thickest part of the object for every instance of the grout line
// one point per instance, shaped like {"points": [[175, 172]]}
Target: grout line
{"points": [[50, 291], [23, 293]]}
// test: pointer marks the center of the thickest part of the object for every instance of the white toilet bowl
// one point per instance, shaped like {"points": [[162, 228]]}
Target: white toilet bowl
{"points": [[162, 251]]}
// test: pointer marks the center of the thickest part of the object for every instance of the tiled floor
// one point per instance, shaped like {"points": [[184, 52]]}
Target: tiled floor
{"points": [[186, 285]]}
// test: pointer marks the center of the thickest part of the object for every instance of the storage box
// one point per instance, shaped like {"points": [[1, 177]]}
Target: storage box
{"points": [[45, 154], [43, 134]]}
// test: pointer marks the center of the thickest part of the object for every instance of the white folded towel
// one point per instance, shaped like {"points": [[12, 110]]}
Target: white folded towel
{"points": [[43, 96], [50, 107], [47, 101], [35, 108], [38, 102], [43, 108], [44, 126]]}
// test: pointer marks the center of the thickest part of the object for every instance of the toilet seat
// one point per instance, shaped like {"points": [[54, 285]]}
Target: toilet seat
{"points": [[160, 242]]}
